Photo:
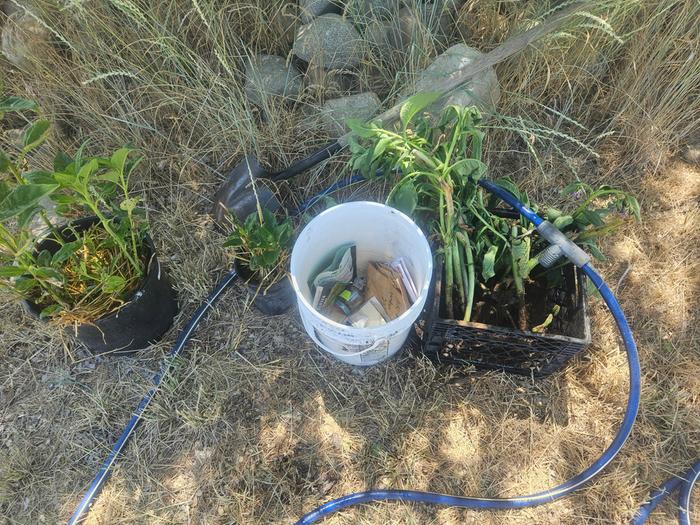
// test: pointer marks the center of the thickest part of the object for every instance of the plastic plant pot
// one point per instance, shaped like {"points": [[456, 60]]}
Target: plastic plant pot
{"points": [[272, 300], [490, 347], [140, 322]]}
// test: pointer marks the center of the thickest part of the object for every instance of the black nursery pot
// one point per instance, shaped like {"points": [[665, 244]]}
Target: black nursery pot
{"points": [[274, 300], [139, 322]]}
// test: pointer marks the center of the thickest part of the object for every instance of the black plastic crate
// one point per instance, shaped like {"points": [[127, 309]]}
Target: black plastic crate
{"points": [[489, 347]]}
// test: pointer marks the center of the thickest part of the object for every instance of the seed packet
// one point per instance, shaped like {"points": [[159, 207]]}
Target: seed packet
{"points": [[370, 314], [341, 268], [386, 285], [400, 266]]}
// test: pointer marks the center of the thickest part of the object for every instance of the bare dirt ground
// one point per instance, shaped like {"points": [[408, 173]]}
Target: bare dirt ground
{"points": [[255, 425]]}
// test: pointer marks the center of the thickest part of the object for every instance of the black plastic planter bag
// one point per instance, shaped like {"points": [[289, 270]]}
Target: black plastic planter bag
{"points": [[139, 322]]}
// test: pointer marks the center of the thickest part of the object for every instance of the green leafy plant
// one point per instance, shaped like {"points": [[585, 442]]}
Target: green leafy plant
{"points": [[262, 245], [438, 163], [93, 271]]}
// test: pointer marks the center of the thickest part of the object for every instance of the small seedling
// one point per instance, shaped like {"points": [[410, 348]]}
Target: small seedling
{"points": [[262, 245]]}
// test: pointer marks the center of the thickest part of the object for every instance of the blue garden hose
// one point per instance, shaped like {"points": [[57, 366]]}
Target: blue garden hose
{"points": [[81, 511], [538, 498], [685, 484]]}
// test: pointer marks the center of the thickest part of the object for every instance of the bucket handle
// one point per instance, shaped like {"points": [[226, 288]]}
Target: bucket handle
{"points": [[379, 342]]}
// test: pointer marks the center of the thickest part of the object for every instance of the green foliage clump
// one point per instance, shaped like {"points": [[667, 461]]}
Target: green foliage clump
{"points": [[262, 244], [93, 271], [438, 163]]}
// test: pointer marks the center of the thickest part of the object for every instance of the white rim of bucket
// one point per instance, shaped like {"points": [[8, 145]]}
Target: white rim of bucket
{"points": [[374, 329]]}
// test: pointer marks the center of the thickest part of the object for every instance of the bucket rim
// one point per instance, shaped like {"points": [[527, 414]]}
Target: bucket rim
{"points": [[380, 330]]}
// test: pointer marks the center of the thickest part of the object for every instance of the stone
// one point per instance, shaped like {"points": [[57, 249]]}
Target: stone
{"points": [[23, 37], [420, 25], [337, 111], [270, 76], [310, 9], [482, 90], [330, 40]]}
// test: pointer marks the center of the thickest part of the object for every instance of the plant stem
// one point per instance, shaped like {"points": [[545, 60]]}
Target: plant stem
{"points": [[470, 280], [449, 280], [518, 281], [120, 242], [457, 268]]}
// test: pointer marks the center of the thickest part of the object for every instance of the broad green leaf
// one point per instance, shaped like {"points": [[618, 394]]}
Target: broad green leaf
{"points": [[595, 252], [576, 186], [35, 135], [12, 271], [380, 147], [233, 242], [24, 218], [65, 252], [521, 254], [563, 221], [112, 284], [414, 105], [471, 168], [360, 129], [119, 157], [110, 176], [50, 311], [67, 180], [8, 104], [24, 284], [404, 197], [44, 258], [552, 214], [87, 170], [61, 161], [39, 177], [24, 197], [593, 218], [4, 190], [48, 273], [489, 263], [633, 206]]}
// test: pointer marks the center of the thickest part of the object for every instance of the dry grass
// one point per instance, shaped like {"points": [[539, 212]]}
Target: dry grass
{"points": [[255, 425]]}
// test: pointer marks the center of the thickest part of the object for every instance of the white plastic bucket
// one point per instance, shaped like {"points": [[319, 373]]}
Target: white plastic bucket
{"points": [[381, 233]]}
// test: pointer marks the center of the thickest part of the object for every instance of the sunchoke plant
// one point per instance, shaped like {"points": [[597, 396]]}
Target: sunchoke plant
{"points": [[92, 271], [437, 163]]}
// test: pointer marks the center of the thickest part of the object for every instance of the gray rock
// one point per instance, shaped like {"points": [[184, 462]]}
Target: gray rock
{"points": [[310, 9], [270, 76], [337, 111], [419, 25], [330, 40], [23, 37], [482, 91]]}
